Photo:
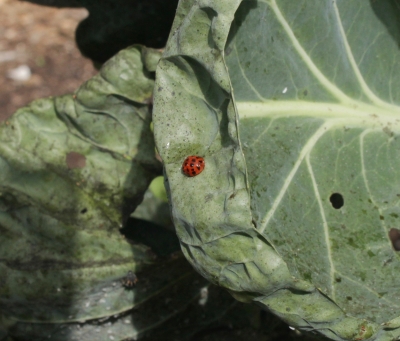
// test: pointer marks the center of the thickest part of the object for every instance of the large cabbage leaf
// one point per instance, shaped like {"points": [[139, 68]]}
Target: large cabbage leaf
{"points": [[72, 169], [294, 106]]}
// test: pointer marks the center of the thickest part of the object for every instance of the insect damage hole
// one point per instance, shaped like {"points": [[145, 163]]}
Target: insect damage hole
{"points": [[394, 236], [336, 200]]}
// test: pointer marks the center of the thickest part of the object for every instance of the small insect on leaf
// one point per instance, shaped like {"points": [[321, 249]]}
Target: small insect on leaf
{"points": [[129, 280], [193, 165]]}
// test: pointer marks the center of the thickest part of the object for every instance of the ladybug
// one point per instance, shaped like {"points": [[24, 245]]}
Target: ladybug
{"points": [[130, 280], [193, 165]]}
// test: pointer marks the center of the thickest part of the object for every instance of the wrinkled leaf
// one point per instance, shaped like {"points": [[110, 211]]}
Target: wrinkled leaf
{"points": [[294, 107], [72, 170]]}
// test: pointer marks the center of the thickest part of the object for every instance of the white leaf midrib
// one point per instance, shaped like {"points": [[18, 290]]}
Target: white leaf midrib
{"points": [[359, 114]]}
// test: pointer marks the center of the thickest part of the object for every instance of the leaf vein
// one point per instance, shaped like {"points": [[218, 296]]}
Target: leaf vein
{"points": [[324, 224], [306, 149]]}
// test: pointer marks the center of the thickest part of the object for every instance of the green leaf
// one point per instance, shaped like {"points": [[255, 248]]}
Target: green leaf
{"points": [[72, 170], [294, 106]]}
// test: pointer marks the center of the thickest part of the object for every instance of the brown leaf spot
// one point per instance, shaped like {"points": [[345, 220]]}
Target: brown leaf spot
{"points": [[75, 160]]}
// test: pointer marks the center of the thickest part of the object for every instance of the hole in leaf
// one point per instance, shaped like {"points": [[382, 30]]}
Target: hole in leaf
{"points": [[394, 236], [337, 200]]}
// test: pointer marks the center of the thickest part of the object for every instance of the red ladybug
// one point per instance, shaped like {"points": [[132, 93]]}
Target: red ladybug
{"points": [[193, 165]]}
